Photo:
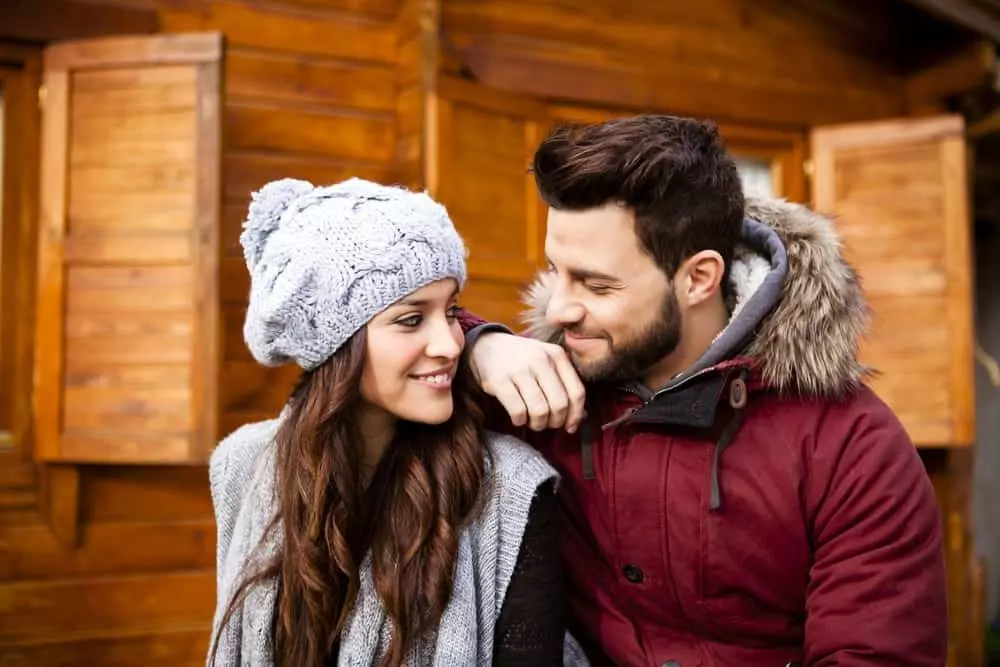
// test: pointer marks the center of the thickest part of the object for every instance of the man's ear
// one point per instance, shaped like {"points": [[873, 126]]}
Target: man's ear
{"points": [[700, 277]]}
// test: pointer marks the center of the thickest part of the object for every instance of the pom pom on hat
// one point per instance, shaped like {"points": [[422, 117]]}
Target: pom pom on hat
{"points": [[267, 207]]}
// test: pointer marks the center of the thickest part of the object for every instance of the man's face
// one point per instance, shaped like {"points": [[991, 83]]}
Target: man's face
{"points": [[617, 310]]}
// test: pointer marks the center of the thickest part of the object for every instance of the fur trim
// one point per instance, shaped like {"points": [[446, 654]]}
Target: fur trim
{"points": [[808, 344]]}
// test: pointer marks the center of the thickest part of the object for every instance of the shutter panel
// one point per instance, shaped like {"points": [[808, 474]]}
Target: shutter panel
{"points": [[127, 331]]}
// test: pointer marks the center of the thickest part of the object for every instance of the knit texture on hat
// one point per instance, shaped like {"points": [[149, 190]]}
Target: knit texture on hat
{"points": [[324, 260]]}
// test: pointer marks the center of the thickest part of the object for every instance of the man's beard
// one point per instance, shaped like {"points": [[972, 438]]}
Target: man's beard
{"points": [[629, 360]]}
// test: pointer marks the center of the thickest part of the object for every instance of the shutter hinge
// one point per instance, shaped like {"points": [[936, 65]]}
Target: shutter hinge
{"points": [[809, 168], [42, 93]]}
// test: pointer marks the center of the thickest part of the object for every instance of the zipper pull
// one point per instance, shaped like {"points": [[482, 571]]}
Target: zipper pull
{"points": [[624, 417]]}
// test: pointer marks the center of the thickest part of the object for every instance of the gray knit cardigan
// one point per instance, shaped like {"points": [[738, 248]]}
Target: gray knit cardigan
{"points": [[242, 476]]}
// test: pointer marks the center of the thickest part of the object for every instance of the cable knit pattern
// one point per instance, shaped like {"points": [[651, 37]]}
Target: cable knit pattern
{"points": [[242, 480], [324, 261]]}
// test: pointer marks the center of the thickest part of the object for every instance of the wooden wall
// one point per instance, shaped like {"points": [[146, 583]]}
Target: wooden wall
{"points": [[310, 92], [774, 61], [325, 89]]}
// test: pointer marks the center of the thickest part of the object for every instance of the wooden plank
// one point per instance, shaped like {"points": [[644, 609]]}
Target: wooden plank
{"points": [[204, 395], [325, 133], [146, 249], [162, 647], [143, 90], [354, 38], [61, 485], [154, 409], [130, 495], [127, 448], [33, 611], [483, 159], [676, 88], [54, 20], [130, 51], [781, 46], [48, 340], [18, 248], [18, 486], [303, 79], [888, 132], [378, 9], [121, 290], [154, 546], [88, 372], [113, 339], [958, 259], [247, 172]]}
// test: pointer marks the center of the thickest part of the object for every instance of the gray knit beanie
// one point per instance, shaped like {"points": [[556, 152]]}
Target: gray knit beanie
{"points": [[324, 260]]}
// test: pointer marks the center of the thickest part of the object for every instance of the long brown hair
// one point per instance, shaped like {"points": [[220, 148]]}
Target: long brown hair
{"points": [[427, 485]]}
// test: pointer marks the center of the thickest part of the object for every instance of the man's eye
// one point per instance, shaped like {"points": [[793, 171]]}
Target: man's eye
{"points": [[410, 322], [598, 289]]}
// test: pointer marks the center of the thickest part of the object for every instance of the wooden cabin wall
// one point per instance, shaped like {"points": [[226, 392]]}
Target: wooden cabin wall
{"points": [[309, 93], [313, 90], [772, 62]]}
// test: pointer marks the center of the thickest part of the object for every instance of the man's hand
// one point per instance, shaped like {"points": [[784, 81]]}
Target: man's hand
{"points": [[534, 381]]}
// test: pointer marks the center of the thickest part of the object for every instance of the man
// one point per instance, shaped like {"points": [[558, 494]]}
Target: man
{"points": [[735, 494]]}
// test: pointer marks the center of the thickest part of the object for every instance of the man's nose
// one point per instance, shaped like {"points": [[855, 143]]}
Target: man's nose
{"points": [[563, 311]]}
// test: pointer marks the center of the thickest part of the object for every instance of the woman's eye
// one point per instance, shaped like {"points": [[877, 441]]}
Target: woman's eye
{"points": [[454, 311], [411, 322]]}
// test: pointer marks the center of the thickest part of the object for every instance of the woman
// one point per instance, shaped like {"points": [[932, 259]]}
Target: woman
{"points": [[374, 522]]}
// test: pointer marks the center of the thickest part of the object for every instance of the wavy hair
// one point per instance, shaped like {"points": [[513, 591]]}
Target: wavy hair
{"points": [[427, 485]]}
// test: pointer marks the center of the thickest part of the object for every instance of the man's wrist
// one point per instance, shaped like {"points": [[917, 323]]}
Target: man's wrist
{"points": [[473, 334]]}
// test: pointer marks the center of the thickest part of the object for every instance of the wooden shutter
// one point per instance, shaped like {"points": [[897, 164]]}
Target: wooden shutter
{"points": [[482, 146], [899, 191], [128, 290]]}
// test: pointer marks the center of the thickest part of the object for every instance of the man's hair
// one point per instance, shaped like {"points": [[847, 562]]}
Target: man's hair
{"points": [[673, 173]]}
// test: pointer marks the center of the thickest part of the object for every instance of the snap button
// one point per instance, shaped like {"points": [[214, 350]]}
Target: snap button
{"points": [[633, 574], [671, 663], [738, 393]]}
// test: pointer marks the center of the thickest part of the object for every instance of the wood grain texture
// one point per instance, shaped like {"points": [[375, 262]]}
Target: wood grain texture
{"points": [[898, 190], [132, 145], [778, 63], [313, 96], [112, 564]]}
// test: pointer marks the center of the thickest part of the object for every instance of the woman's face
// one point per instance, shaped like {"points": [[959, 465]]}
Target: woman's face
{"points": [[412, 354]]}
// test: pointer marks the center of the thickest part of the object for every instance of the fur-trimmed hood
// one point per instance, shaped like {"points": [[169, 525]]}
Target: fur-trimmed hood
{"points": [[799, 311]]}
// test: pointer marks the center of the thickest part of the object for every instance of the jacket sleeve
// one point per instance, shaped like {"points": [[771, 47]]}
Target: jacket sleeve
{"points": [[877, 590], [474, 326]]}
